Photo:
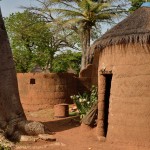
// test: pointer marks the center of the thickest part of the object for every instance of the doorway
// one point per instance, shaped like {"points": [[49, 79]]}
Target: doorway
{"points": [[104, 89], [108, 79]]}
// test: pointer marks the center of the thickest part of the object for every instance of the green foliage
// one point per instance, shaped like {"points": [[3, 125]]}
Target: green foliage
{"points": [[82, 16], [135, 4], [85, 101], [34, 41], [4, 148], [29, 39], [67, 60]]}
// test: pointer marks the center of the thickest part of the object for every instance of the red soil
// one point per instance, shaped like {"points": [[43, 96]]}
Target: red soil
{"points": [[70, 135]]}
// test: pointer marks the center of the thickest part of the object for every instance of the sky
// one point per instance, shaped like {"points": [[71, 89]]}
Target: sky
{"points": [[12, 6]]}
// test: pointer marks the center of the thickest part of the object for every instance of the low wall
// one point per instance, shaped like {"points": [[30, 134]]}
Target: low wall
{"points": [[40, 90]]}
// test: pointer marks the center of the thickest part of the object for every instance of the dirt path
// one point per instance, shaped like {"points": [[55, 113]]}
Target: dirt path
{"points": [[70, 135]]}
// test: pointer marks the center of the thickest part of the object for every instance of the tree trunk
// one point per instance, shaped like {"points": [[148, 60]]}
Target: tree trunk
{"points": [[12, 116], [88, 51], [84, 48], [85, 42]]}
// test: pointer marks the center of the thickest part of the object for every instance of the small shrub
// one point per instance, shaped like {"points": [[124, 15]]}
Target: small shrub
{"points": [[4, 147], [85, 101]]}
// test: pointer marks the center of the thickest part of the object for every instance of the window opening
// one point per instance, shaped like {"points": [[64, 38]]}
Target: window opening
{"points": [[32, 81]]}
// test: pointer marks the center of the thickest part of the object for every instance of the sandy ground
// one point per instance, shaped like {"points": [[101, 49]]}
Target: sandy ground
{"points": [[69, 134]]}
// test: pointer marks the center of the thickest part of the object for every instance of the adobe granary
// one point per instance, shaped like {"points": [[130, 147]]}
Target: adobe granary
{"points": [[123, 58]]}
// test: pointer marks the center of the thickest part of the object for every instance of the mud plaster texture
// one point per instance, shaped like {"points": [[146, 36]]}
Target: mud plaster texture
{"points": [[40, 90], [129, 103], [43, 90]]}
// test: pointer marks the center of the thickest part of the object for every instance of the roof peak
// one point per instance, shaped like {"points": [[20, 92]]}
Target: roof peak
{"points": [[146, 4], [133, 29]]}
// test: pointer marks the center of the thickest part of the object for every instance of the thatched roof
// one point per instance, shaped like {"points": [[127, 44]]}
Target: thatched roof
{"points": [[134, 29]]}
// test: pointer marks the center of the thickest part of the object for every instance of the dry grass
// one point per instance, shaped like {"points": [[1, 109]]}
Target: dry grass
{"points": [[134, 29]]}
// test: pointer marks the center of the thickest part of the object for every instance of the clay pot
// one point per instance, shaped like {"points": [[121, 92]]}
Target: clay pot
{"points": [[61, 110]]}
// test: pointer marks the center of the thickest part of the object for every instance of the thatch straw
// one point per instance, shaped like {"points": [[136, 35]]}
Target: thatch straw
{"points": [[134, 29]]}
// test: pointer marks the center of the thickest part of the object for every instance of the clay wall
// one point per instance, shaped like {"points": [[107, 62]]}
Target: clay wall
{"points": [[89, 75], [84, 80], [129, 104], [40, 90], [94, 73]]}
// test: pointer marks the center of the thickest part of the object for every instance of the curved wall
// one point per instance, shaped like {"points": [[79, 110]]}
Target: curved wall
{"points": [[129, 104], [42, 90]]}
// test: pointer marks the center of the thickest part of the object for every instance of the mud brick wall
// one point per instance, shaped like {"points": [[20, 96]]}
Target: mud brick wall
{"points": [[40, 90], [129, 104]]}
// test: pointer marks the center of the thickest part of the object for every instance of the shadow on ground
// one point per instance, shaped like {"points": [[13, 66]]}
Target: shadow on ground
{"points": [[61, 124]]}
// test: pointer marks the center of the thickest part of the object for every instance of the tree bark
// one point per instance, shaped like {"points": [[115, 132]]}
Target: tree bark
{"points": [[12, 116], [88, 51], [85, 42], [84, 48]]}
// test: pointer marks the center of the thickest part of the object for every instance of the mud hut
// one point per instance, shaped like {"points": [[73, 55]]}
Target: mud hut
{"points": [[124, 80]]}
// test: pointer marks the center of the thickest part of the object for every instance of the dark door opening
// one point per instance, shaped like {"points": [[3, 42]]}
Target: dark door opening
{"points": [[108, 78]]}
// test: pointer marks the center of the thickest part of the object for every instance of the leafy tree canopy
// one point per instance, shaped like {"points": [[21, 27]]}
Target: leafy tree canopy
{"points": [[29, 38], [37, 34], [135, 4], [34, 42], [67, 61], [82, 16]]}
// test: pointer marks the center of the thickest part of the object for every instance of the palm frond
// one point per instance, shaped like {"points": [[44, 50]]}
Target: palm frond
{"points": [[112, 11], [95, 8], [67, 13], [72, 21], [103, 6], [84, 5], [64, 4], [104, 16]]}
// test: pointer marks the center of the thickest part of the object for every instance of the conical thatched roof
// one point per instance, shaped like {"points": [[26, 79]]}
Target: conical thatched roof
{"points": [[135, 28]]}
